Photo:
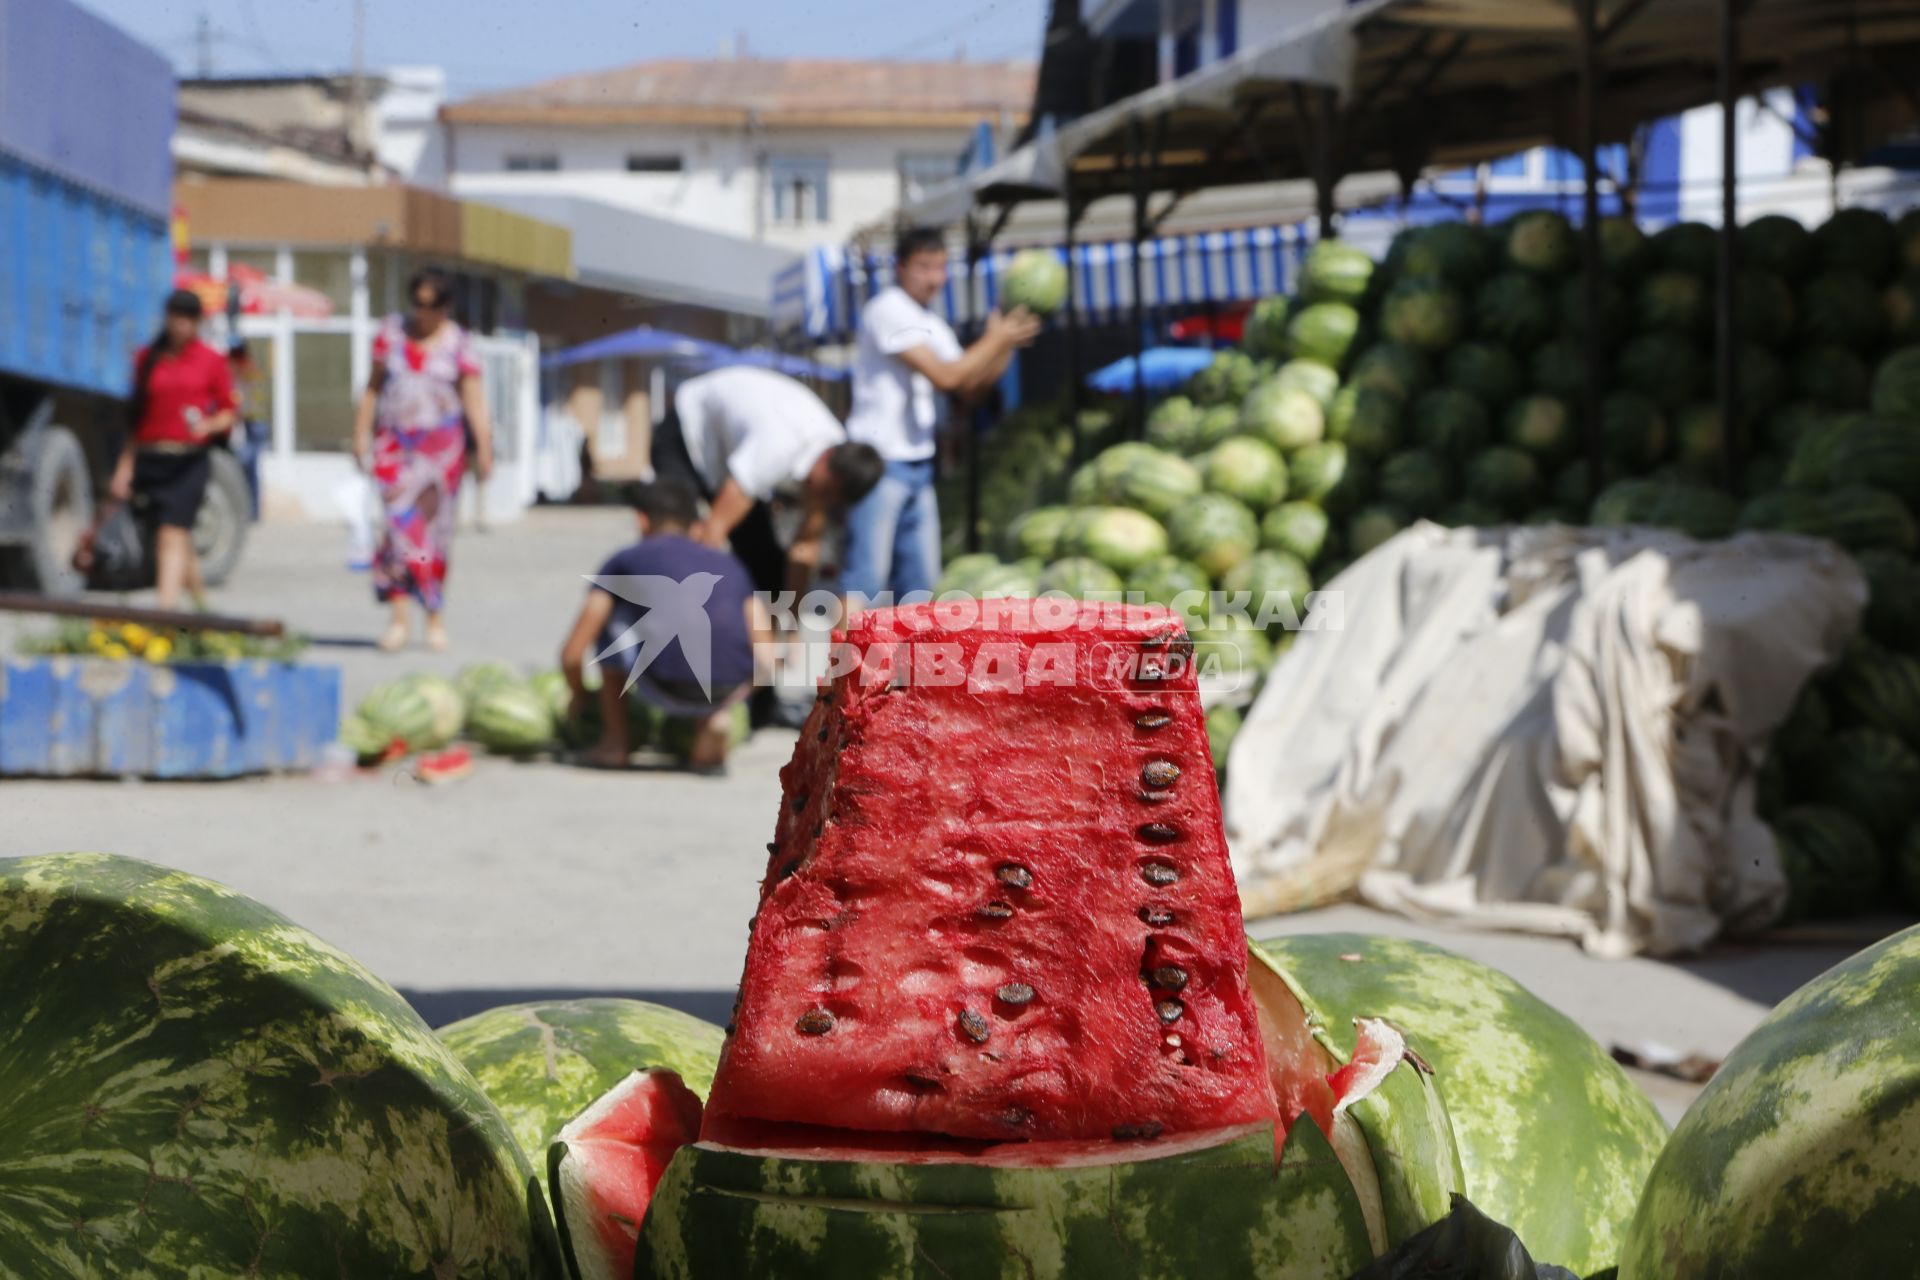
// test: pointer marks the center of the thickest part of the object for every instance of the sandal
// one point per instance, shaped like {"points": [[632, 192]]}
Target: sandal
{"points": [[394, 640], [437, 638]]}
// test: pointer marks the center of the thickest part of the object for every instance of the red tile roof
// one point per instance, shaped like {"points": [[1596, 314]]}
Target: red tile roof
{"points": [[776, 93]]}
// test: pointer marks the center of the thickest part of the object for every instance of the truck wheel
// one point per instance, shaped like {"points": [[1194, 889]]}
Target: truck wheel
{"points": [[220, 531], [59, 510]]}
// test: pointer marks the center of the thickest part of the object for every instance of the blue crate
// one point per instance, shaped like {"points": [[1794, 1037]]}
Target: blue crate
{"points": [[68, 717]]}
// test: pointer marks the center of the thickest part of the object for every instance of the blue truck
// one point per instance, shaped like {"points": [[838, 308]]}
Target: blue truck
{"points": [[86, 175]]}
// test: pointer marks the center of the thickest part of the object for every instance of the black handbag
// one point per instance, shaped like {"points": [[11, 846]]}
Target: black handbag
{"points": [[113, 554]]}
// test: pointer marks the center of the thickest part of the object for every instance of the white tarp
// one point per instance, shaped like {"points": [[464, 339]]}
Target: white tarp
{"points": [[1544, 729]]}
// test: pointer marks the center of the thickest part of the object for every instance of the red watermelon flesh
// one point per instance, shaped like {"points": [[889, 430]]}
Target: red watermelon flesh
{"points": [[999, 906], [605, 1165]]}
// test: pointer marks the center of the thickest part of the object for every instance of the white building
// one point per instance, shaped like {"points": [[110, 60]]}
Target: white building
{"points": [[785, 153]]}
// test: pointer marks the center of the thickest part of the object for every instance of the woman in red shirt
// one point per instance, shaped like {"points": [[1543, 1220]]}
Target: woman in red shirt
{"points": [[183, 401]]}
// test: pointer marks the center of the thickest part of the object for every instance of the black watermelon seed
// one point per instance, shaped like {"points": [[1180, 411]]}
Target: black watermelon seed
{"points": [[1136, 1132], [973, 1026], [822, 735], [799, 801], [791, 867], [1013, 875], [1160, 774], [772, 847], [1159, 833], [1015, 993], [920, 1081], [1158, 917], [1169, 977], [1152, 720], [1169, 1010], [995, 910], [1160, 874], [814, 1022]]}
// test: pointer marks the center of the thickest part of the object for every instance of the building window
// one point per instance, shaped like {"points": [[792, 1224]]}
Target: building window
{"points": [[922, 171], [653, 162], [544, 162], [1226, 25], [1188, 21], [799, 189]]}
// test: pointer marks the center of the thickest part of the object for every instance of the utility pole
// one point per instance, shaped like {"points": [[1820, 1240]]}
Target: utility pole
{"points": [[203, 45]]}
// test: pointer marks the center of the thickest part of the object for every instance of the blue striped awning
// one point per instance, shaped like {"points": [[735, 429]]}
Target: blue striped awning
{"points": [[821, 295]]}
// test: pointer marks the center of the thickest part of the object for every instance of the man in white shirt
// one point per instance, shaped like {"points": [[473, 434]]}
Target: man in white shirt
{"points": [[773, 463], [907, 367]]}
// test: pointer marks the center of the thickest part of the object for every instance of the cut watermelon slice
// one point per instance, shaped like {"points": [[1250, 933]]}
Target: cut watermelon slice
{"points": [[999, 906], [604, 1166]]}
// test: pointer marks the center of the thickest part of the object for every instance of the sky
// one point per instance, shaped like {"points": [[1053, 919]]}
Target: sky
{"points": [[491, 44]]}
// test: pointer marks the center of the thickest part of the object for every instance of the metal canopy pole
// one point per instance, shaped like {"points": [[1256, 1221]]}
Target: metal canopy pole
{"points": [[1727, 328], [1589, 38], [1326, 118], [1136, 146], [976, 245]]}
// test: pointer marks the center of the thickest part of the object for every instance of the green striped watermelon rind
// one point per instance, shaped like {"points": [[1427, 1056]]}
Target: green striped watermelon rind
{"points": [[190, 1084], [544, 1062], [1553, 1138], [1799, 1157], [1222, 1209]]}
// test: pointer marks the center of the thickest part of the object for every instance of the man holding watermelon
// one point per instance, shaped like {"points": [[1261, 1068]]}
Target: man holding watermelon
{"points": [[907, 366]]}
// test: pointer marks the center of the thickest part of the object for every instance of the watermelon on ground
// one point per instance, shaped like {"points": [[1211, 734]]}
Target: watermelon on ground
{"points": [[1616, 310], [1878, 688], [544, 1062], [1688, 246], [1804, 732], [962, 573], [1841, 308], [1300, 529], [449, 708], [1504, 478], [1335, 272], [1796, 1160], [1395, 368], [480, 675], [1119, 537], [1265, 334], [1285, 417], [1035, 279], [1037, 533], [1367, 420], [1675, 302], [1323, 332], [1855, 239], [1452, 422], [1697, 434], [1225, 381], [1563, 1170], [1871, 775], [1171, 424], [1668, 372], [1893, 599], [1559, 368], [1490, 372], [1246, 469], [1542, 241], [1625, 250], [1219, 423], [1831, 377], [1310, 376], [1880, 453], [1423, 313], [1418, 482], [1761, 378], [398, 711], [1778, 244], [1457, 252], [1515, 310], [1373, 525], [1896, 386], [1634, 429], [1214, 531], [1782, 429], [1765, 304], [1317, 472], [193, 1085], [1169, 579], [1540, 424], [367, 742], [1081, 577], [1276, 583], [510, 720]]}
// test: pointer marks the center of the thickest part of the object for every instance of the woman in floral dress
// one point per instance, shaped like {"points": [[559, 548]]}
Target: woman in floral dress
{"points": [[411, 434]]}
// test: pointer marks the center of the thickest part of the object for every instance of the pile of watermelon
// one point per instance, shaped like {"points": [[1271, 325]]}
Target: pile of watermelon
{"points": [[998, 1018]]}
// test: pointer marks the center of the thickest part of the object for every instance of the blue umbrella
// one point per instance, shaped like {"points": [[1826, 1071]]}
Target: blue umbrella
{"points": [[1164, 368], [642, 342]]}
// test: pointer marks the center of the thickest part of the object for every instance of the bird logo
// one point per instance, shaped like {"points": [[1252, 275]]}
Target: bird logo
{"points": [[671, 609]]}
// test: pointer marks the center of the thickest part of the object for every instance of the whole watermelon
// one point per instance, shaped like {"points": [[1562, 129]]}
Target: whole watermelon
{"points": [[1335, 272], [1627, 502], [1778, 244], [1265, 335], [449, 708], [1148, 479], [1880, 453], [1878, 688], [1285, 417], [1487, 1041], [1559, 368], [1276, 583], [480, 675], [1896, 386], [1373, 525], [1804, 732], [1762, 380], [1394, 368], [400, 712], [1540, 424], [1542, 241], [1841, 308], [1675, 302], [1171, 424], [1423, 313], [1616, 310], [1635, 430], [1832, 377], [1310, 376], [1697, 435], [1871, 775], [1893, 599], [553, 689], [962, 573], [1515, 310], [1248, 470], [1782, 430], [1856, 239], [1218, 423], [1488, 371], [1226, 380], [1165, 579], [193, 1085], [1456, 252], [365, 741], [1688, 246], [1323, 332], [1019, 580], [1037, 533], [1797, 1158], [1214, 532], [1452, 422], [1900, 303], [1297, 528], [544, 1062], [1035, 279], [1765, 303], [1669, 373], [1367, 420], [1318, 470], [1625, 251], [1080, 577], [1419, 482], [1120, 538], [510, 720], [1503, 478]]}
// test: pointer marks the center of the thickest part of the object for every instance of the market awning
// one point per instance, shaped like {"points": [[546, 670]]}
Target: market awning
{"points": [[641, 343], [822, 296]]}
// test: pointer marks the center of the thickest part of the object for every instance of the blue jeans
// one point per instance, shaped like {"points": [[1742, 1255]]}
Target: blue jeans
{"points": [[893, 534]]}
